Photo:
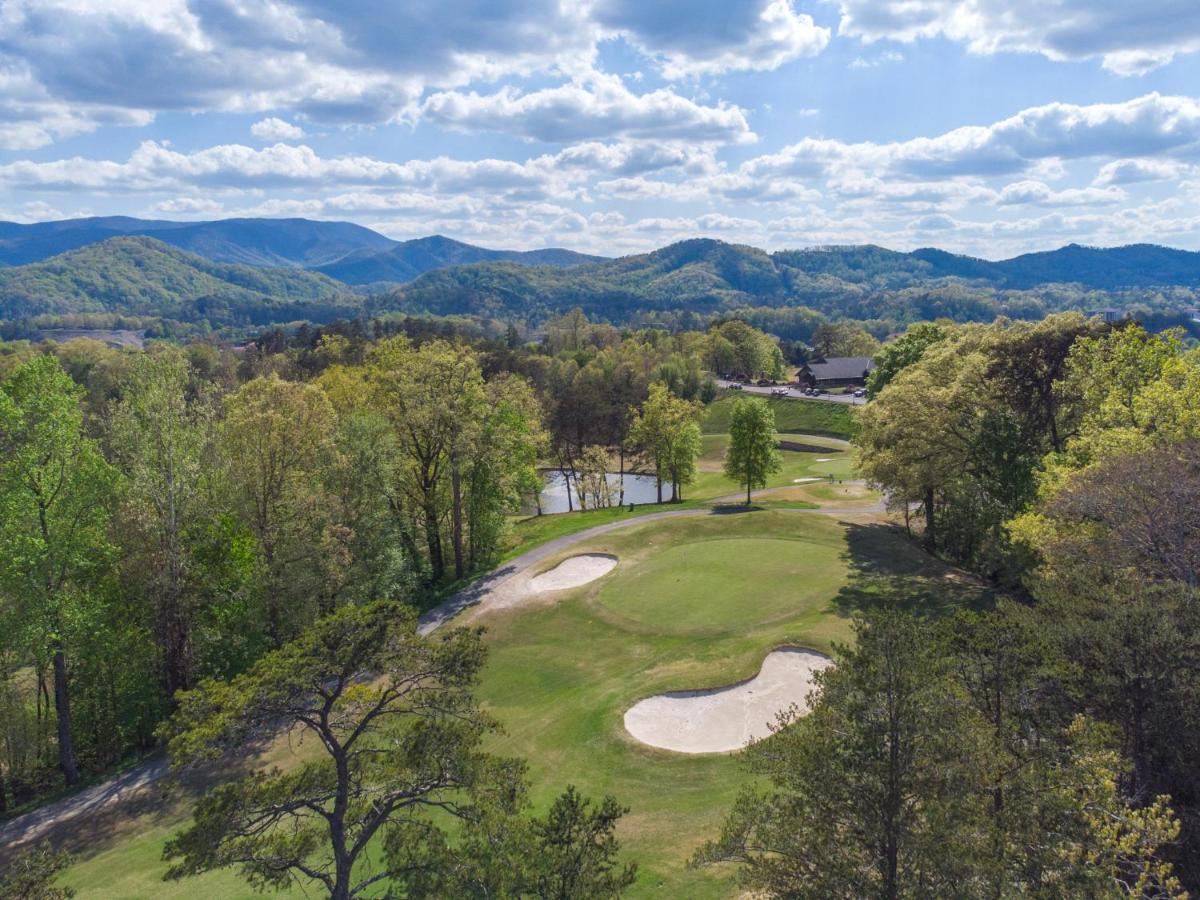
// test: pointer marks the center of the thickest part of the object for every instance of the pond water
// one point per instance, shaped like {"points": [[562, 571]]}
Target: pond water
{"points": [[638, 489]]}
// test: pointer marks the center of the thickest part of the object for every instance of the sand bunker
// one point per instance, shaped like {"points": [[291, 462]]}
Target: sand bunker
{"points": [[573, 572], [728, 718], [805, 480]]}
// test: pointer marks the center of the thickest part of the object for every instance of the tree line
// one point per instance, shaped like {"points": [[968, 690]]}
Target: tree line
{"points": [[1059, 461]]}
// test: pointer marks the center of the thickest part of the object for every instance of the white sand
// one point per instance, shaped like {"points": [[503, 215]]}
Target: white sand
{"points": [[728, 718], [825, 459], [805, 480], [573, 572]]}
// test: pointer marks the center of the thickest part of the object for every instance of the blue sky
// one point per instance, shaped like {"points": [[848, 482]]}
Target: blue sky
{"points": [[990, 127]]}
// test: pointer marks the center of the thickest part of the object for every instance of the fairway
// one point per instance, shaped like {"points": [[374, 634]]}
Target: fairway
{"points": [[723, 584], [563, 672]]}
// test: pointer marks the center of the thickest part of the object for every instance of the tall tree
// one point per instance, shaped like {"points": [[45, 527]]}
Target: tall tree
{"points": [[667, 431], [161, 435], [55, 496], [275, 438], [434, 397], [399, 766], [751, 457]]}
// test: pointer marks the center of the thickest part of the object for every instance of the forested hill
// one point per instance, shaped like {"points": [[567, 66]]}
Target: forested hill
{"points": [[144, 276], [864, 282], [350, 253], [410, 259]]}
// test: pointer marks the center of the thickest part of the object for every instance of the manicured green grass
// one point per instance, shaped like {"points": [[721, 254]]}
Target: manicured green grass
{"points": [[703, 586], [791, 416], [531, 531], [711, 482]]}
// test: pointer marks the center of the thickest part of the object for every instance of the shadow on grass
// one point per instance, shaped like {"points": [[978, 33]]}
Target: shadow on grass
{"points": [[889, 570], [94, 820]]}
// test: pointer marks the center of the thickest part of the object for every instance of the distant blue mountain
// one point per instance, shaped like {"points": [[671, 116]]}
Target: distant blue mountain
{"points": [[347, 252]]}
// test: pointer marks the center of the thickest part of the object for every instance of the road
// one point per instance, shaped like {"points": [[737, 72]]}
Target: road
{"points": [[794, 393]]}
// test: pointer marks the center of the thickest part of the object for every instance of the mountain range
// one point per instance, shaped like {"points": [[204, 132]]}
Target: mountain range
{"points": [[256, 271], [350, 253]]}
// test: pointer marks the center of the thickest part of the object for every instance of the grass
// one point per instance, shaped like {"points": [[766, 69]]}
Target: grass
{"points": [[673, 591], [791, 416]]}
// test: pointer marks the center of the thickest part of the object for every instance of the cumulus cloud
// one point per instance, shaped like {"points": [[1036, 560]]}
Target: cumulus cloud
{"points": [[601, 107], [690, 39], [274, 129], [376, 61], [1152, 125], [1129, 38]]}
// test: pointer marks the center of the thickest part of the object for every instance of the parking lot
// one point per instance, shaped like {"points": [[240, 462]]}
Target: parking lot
{"points": [[791, 392]]}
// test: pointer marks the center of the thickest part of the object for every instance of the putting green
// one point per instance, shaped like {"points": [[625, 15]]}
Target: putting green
{"points": [[724, 584]]}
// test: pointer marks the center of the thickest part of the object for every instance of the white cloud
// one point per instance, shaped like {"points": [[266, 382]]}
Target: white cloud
{"points": [[274, 129], [1130, 38], [885, 58], [1152, 125], [599, 107], [689, 38], [1037, 193], [1132, 171], [187, 206]]}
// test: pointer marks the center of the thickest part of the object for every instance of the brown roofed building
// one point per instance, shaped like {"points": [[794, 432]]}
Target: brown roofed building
{"points": [[836, 371]]}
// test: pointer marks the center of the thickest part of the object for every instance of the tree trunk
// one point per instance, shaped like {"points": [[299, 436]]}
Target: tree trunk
{"points": [[457, 515], [433, 539], [930, 538], [621, 451], [62, 708], [748, 490]]}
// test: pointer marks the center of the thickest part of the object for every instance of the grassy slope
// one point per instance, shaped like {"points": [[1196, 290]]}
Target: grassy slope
{"points": [[791, 416], [710, 484]]}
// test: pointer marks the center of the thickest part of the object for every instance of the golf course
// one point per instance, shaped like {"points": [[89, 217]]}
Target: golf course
{"points": [[705, 600]]}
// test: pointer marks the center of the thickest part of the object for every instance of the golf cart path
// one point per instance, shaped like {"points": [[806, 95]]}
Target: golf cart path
{"points": [[501, 587]]}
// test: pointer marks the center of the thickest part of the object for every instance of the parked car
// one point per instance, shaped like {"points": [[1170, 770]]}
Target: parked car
{"points": [[779, 392], [860, 393], [735, 386], [765, 382]]}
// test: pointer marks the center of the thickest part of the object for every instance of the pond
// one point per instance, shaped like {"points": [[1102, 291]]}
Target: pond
{"points": [[638, 489]]}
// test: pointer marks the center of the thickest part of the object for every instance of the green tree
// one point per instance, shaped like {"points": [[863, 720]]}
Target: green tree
{"points": [[752, 457], [31, 875], [871, 794], [667, 429], [276, 437], [400, 767], [161, 432], [574, 850], [901, 353], [434, 396], [396, 748], [55, 494]]}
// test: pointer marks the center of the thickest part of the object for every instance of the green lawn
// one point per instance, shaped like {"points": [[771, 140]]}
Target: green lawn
{"points": [[791, 416], [673, 591]]}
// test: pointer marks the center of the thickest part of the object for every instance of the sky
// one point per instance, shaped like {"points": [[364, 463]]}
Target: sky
{"points": [[988, 127]]}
